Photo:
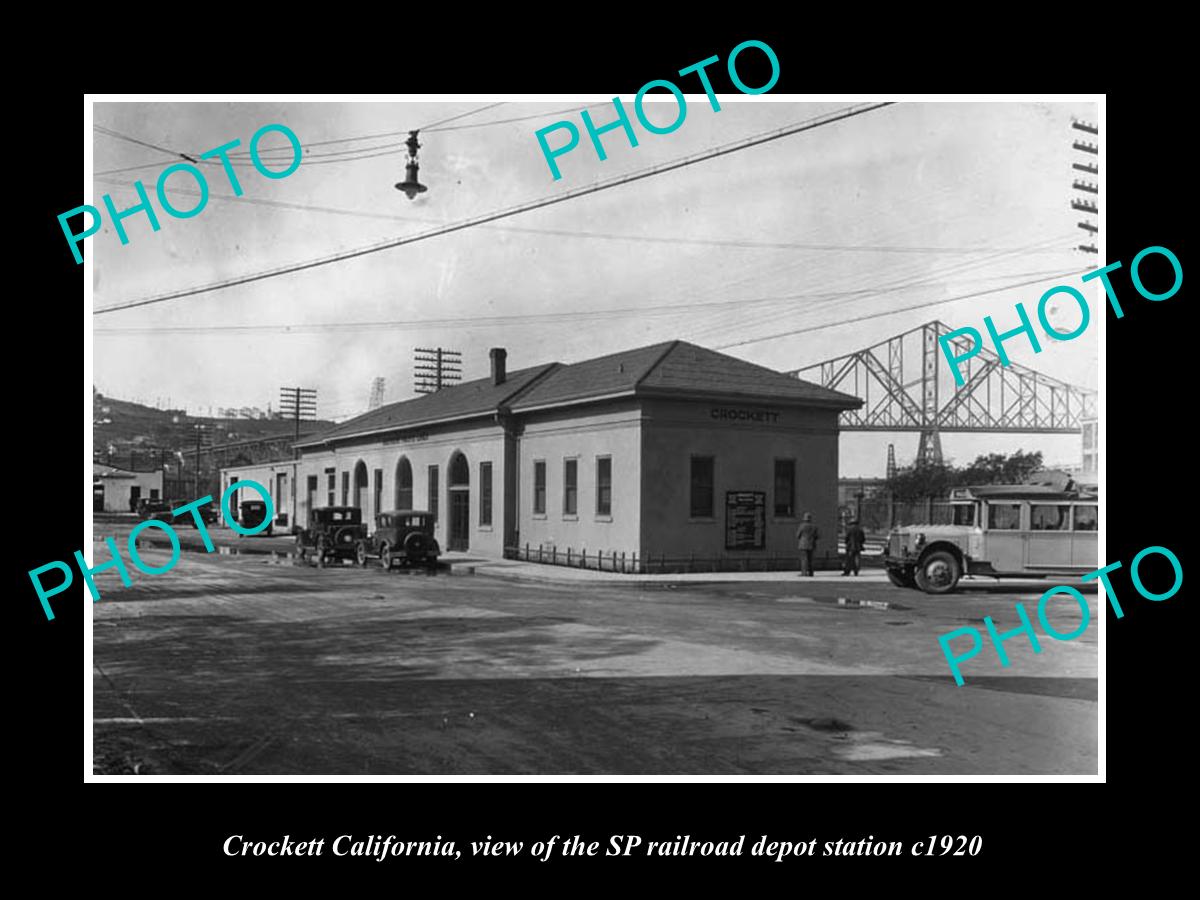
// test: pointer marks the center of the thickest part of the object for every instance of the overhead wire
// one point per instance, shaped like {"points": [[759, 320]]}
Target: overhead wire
{"points": [[703, 156], [242, 157], [495, 321], [600, 235], [905, 281], [892, 312]]}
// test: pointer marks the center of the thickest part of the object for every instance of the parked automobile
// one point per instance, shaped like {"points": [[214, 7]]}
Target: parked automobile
{"points": [[148, 508], [402, 537], [333, 532], [1001, 531], [253, 513]]}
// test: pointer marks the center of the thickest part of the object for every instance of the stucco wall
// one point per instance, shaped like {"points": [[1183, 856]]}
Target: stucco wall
{"points": [[744, 447], [482, 442], [612, 430], [117, 489]]}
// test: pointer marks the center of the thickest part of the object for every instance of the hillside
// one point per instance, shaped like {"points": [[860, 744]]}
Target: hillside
{"points": [[119, 426]]}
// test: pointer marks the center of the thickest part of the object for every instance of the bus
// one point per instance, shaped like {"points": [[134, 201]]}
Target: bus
{"points": [[999, 531]]}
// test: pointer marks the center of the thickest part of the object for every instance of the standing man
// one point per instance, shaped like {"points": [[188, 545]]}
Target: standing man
{"points": [[806, 540], [856, 539]]}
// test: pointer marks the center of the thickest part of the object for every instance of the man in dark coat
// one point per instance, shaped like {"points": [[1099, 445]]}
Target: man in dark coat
{"points": [[856, 539], [806, 541]]}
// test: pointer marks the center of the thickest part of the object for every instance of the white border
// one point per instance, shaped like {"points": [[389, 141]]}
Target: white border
{"points": [[1101, 306]]}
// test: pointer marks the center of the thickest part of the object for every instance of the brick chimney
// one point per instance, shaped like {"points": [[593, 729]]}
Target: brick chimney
{"points": [[498, 356]]}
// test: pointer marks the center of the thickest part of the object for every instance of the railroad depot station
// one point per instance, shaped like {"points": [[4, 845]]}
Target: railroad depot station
{"points": [[661, 456]]}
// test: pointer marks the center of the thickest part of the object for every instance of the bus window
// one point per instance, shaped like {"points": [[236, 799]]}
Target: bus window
{"points": [[964, 514], [1004, 516], [1049, 517], [1086, 518]]}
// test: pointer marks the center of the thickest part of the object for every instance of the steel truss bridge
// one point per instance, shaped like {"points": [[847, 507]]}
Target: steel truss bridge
{"points": [[906, 384]]}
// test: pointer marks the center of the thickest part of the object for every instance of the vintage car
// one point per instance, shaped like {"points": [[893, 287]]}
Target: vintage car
{"points": [[251, 515], [999, 531], [161, 510], [154, 509], [333, 532], [403, 537]]}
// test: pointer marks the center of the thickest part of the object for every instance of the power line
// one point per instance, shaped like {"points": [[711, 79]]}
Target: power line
{"points": [[432, 125], [891, 312], [241, 157], [904, 281], [610, 236], [703, 156], [514, 319], [124, 137]]}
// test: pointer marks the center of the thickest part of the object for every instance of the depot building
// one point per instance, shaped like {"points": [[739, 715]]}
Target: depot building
{"points": [[670, 455]]}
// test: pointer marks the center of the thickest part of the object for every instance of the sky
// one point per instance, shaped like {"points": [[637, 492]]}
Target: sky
{"points": [[899, 207]]}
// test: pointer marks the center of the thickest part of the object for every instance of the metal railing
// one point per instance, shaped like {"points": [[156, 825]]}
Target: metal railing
{"points": [[661, 563]]}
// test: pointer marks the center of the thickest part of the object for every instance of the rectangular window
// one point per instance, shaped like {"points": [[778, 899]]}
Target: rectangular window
{"points": [[1049, 517], [1004, 516], [604, 485], [1087, 518], [702, 487], [153, 493], [539, 488], [485, 493], [570, 487], [345, 489], [378, 507], [785, 488], [433, 491], [964, 514], [332, 487]]}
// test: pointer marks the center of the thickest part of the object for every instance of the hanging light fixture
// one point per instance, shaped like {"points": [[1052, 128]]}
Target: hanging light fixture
{"points": [[410, 185]]}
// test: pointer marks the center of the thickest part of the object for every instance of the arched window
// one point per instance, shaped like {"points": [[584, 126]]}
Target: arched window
{"points": [[460, 472], [404, 484], [360, 484]]}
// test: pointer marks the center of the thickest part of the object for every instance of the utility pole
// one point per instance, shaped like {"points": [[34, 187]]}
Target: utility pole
{"points": [[300, 404], [436, 368], [201, 431], [1082, 202]]}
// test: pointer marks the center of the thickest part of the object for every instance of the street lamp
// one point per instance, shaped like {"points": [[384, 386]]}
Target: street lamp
{"points": [[410, 185]]}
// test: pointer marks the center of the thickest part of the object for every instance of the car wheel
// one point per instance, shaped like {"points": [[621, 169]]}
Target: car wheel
{"points": [[360, 553], [385, 555], [900, 578], [938, 573]]}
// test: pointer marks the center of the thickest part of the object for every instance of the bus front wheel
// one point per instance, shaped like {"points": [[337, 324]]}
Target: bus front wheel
{"points": [[938, 573]]}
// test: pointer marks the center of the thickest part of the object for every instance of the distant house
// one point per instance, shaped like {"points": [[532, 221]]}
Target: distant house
{"points": [[118, 490]]}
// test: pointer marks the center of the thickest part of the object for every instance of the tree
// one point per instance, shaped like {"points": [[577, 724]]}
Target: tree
{"points": [[935, 479], [922, 480]]}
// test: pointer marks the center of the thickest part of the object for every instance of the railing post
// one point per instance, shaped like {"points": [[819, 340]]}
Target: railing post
{"points": [[568, 556], [554, 554], [622, 562]]}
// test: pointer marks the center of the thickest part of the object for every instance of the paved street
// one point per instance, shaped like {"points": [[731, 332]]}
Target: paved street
{"points": [[240, 664]]}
